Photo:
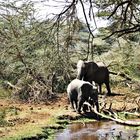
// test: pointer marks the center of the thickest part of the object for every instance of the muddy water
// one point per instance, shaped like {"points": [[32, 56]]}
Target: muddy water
{"points": [[99, 131]]}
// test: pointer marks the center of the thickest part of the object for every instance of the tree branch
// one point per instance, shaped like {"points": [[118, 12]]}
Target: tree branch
{"points": [[122, 3], [86, 18], [136, 28]]}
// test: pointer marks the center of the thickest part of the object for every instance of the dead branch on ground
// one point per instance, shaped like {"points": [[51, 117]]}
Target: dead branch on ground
{"points": [[116, 119]]}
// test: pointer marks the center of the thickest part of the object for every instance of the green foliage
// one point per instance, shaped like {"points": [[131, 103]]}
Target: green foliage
{"points": [[33, 51], [2, 117], [103, 14], [38, 53], [4, 93], [123, 57]]}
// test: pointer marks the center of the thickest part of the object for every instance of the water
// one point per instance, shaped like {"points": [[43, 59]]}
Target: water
{"points": [[99, 131]]}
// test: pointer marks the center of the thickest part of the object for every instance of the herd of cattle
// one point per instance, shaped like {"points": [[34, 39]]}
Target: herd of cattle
{"points": [[82, 89]]}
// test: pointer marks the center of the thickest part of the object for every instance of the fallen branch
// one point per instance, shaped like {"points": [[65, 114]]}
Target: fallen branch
{"points": [[12, 86], [121, 74], [124, 122], [132, 114]]}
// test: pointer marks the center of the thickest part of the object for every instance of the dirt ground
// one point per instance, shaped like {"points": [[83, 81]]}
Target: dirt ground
{"points": [[24, 114]]}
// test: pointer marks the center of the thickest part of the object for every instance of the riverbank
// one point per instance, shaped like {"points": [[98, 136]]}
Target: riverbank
{"points": [[24, 120]]}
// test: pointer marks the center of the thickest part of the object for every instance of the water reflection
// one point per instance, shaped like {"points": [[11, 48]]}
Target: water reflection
{"points": [[99, 131]]}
